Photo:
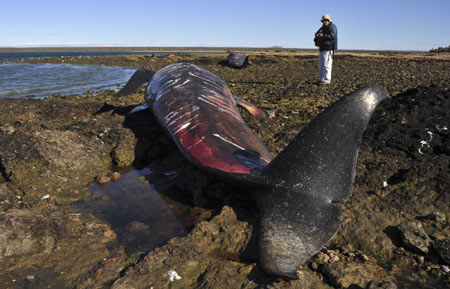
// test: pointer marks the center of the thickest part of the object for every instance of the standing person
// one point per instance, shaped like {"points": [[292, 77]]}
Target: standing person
{"points": [[326, 39]]}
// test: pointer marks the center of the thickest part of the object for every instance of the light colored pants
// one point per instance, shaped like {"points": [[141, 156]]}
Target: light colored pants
{"points": [[325, 65]]}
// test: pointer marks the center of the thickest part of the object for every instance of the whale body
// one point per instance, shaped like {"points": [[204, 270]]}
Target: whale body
{"points": [[297, 190], [238, 60]]}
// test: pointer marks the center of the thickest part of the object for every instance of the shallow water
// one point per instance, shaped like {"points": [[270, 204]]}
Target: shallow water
{"points": [[41, 80], [138, 214]]}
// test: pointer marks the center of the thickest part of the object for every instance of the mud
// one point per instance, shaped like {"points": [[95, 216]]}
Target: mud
{"points": [[51, 150]]}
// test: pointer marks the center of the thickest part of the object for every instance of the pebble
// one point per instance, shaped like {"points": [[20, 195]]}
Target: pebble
{"points": [[344, 251], [322, 258], [115, 176], [8, 129], [420, 259], [173, 275], [335, 258], [445, 268], [103, 180], [362, 257]]}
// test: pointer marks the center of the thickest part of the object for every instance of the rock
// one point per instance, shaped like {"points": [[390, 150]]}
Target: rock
{"points": [[42, 237], [363, 257], [57, 146], [103, 180], [49, 150], [420, 259], [7, 129], [103, 273], [115, 176], [322, 258], [306, 280], [345, 274], [123, 154], [381, 285], [414, 238], [442, 248], [437, 217], [206, 257], [314, 266]]}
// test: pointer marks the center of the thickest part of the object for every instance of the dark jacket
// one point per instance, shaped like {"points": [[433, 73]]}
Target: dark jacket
{"points": [[329, 39]]}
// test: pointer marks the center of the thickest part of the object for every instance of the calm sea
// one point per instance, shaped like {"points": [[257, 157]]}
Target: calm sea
{"points": [[42, 80]]}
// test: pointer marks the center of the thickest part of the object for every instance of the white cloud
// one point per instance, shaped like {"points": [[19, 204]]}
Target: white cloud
{"points": [[59, 44], [210, 43]]}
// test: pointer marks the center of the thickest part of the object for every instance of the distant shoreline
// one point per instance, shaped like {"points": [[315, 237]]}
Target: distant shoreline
{"points": [[182, 49], [150, 50], [248, 50]]}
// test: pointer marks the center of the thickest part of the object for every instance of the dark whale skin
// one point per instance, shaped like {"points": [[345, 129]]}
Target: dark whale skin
{"points": [[295, 192], [199, 112]]}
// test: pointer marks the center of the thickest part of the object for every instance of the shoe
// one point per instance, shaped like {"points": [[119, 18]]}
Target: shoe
{"points": [[323, 83]]}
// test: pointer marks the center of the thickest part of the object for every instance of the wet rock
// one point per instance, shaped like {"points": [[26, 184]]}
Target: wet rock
{"points": [[345, 274], [414, 238], [103, 180], [115, 176], [207, 256]]}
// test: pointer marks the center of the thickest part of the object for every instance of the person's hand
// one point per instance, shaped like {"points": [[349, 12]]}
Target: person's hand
{"points": [[319, 34]]}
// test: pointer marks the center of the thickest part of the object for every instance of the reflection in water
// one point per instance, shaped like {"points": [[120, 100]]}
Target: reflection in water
{"points": [[141, 219]]}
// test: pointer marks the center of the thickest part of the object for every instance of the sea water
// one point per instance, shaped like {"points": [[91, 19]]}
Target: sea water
{"points": [[42, 80], [135, 210]]}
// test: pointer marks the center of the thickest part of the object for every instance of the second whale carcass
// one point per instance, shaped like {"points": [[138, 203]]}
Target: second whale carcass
{"points": [[297, 190]]}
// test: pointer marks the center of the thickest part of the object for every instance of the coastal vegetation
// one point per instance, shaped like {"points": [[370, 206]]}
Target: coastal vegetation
{"points": [[440, 49]]}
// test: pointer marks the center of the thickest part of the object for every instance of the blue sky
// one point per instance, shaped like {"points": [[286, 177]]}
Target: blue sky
{"points": [[363, 24]]}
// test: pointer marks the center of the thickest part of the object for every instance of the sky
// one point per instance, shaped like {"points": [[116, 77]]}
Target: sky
{"points": [[362, 24]]}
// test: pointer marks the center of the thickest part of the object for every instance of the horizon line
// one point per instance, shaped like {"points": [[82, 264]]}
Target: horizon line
{"points": [[194, 47]]}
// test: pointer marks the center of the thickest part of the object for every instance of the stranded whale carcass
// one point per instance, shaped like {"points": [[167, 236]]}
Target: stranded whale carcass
{"points": [[237, 60], [296, 191]]}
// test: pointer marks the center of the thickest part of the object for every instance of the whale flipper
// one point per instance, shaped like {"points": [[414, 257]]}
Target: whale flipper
{"points": [[248, 106], [140, 77], [139, 108], [317, 168]]}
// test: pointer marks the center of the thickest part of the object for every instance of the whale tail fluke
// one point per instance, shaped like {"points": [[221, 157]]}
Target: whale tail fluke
{"points": [[140, 77], [288, 237], [321, 159], [316, 169]]}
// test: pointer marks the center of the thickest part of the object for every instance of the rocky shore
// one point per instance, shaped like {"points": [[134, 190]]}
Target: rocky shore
{"points": [[395, 233]]}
